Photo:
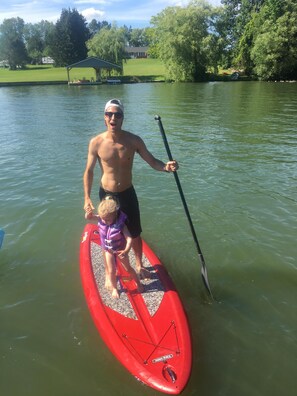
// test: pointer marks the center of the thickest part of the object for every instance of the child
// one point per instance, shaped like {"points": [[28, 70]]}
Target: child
{"points": [[115, 240]]}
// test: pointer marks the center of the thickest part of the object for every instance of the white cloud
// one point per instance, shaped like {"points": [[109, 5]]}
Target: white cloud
{"points": [[101, 2], [91, 13]]}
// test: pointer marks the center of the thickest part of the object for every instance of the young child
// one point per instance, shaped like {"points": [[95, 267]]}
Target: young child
{"points": [[115, 240]]}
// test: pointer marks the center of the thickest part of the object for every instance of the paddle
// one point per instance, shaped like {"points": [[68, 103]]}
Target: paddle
{"points": [[203, 267], [1, 237]]}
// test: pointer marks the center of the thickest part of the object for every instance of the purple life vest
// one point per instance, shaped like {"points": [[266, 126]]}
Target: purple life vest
{"points": [[112, 237]]}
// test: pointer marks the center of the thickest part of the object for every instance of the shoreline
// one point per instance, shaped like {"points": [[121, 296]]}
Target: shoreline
{"points": [[36, 83], [125, 81], [24, 83]]}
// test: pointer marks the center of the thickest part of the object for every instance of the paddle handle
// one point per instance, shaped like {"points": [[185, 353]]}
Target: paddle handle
{"points": [[203, 268]]}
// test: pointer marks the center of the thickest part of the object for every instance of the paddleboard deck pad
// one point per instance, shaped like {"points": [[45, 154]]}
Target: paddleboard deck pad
{"points": [[148, 332]]}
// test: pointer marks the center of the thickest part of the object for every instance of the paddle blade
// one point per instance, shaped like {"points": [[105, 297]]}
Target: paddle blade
{"points": [[205, 280], [2, 233]]}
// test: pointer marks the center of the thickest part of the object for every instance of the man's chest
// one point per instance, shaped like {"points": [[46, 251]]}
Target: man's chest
{"points": [[115, 152]]}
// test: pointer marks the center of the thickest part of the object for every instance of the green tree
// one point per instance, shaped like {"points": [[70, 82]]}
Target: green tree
{"points": [[274, 52], [127, 31], [34, 42], [94, 26], [67, 43], [12, 45], [47, 29], [108, 44], [181, 33], [236, 16], [152, 38], [138, 38], [36, 39], [243, 59], [214, 42]]}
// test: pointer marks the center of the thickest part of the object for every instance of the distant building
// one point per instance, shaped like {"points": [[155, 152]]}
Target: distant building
{"points": [[47, 60], [136, 52], [4, 63]]}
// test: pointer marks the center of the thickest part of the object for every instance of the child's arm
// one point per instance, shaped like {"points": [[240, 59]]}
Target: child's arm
{"points": [[128, 237], [92, 217]]}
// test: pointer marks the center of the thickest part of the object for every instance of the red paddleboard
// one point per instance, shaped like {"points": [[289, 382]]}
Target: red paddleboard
{"points": [[148, 332]]}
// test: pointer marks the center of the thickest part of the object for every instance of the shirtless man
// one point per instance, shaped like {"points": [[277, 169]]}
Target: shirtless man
{"points": [[115, 149]]}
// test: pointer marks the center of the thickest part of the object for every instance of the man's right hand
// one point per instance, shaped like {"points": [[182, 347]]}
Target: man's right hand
{"points": [[88, 207]]}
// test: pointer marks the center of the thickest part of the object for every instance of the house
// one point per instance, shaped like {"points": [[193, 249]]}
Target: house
{"points": [[47, 60], [136, 52], [4, 63]]}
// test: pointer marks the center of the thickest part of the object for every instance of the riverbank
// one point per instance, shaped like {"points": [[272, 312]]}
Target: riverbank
{"points": [[25, 83], [134, 71], [132, 80], [121, 80]]}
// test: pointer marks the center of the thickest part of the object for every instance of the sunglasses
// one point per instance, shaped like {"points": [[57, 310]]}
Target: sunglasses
{"points": [[117, 115]]}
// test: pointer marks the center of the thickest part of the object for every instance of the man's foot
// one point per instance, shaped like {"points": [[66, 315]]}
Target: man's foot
{"points": [[140, 288], [143, 273]]}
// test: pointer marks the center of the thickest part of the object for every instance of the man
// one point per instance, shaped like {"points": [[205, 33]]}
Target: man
{"points": [[115, 149]]}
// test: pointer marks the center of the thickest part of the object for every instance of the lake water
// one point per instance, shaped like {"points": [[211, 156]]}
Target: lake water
{"points": [[236, 144]]}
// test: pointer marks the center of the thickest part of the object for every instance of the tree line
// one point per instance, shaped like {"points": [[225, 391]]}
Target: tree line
{"points": [[258, 37]]}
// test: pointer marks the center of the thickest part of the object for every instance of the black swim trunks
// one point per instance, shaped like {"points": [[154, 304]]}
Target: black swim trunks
{"points": [[129, 205]]}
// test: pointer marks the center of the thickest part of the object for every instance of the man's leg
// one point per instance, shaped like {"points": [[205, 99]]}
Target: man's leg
{"points": [[137, 248]]}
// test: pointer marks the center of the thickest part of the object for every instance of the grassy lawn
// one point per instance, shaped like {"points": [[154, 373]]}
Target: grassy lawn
{"points": [[144, 67], [137, 69]]}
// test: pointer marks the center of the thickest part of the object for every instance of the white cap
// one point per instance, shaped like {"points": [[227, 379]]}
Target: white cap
{"points": [[115, 103]]}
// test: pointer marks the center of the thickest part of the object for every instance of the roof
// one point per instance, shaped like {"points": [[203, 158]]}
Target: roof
{"points": [[94, 62], [136, 49]]}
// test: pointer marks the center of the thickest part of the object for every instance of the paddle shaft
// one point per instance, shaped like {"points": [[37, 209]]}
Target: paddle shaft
{"points": [[203, 268]]}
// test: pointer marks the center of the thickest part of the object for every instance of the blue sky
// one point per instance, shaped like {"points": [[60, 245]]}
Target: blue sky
{"points": [[136, 13]]}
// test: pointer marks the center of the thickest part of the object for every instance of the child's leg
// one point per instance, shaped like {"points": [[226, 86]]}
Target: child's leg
{"points": [[111, 270], [126, 264], [107, 279]]}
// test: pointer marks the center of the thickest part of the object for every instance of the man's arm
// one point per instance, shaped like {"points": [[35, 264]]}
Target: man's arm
{"points": [[89, 176], [146, 155]]}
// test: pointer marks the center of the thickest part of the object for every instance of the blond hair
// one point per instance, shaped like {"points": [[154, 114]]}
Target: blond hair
{"points": [[106, 207]]}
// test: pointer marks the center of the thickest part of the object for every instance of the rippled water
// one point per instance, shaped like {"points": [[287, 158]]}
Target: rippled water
{"points": [[236, 145]]}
